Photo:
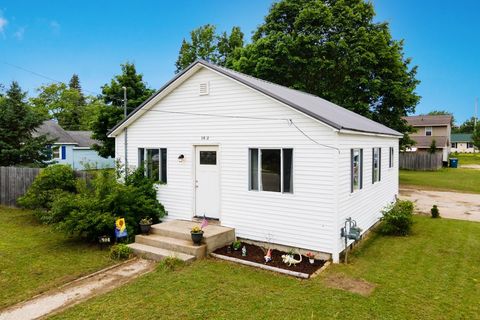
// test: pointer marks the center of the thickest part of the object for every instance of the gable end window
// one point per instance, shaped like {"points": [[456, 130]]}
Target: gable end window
{"points": [[376, 164], [390, 158], [271, 170], [356, 169], [428, 131], [154, 162]]}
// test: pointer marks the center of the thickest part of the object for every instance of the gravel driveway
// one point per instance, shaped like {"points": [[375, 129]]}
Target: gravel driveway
{"points": [[452, 205]]}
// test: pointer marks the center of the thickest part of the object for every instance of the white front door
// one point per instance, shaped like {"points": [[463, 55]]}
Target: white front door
{"points": [[207, 182]]}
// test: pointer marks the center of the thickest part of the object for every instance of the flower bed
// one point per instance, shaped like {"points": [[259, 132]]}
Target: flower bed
{"points": [[256, 254]]}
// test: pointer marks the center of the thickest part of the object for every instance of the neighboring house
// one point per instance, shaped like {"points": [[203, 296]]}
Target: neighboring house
{"points": [[73, 147], [462, 143], [429, 128], [276, 164]]}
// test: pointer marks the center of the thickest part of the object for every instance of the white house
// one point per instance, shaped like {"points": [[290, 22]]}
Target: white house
{"points": [[462, 143], [73, 147], [276, 164]]}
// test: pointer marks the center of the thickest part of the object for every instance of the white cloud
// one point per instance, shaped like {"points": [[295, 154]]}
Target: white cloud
{"points": [[19, 33], [3, 22]]}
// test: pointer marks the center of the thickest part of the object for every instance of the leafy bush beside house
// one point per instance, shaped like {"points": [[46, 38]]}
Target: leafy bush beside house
{"points": [[90, 210], [398, 218]]}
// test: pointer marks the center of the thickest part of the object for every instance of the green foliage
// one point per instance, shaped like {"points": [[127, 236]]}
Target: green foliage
{"points": [[120, 252], [433, 147], [435, 212], [108, 116], [443, 113], [398, 218], [476, 137], [467, 127], [170, 264], [205, 44], [18, 122], [236, 244], [52, 182]]}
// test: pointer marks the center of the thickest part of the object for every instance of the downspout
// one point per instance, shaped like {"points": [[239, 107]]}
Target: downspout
{"points": [[126, 153]]}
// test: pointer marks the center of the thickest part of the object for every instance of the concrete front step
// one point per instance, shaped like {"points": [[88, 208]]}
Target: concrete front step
{"points": [[173, 244], [214, 236], [157, 254]]}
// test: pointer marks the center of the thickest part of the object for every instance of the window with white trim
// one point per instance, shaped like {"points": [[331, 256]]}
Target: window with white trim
{"points": [[56, 152], [356, 169], [154, 162], [428, 131], [376, 164], [271, 170], [390, 158]]}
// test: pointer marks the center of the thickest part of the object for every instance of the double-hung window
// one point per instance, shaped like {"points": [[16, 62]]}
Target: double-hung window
{"points": [[376, 164], [428, 131], [390, 158], [154, 162], [56, 152], [271, 170], [356, 169]]}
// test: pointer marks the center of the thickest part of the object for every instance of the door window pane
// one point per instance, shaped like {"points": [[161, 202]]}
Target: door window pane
{"points": [[253, 164], [287, 170], [208, 157], [271, 170]]}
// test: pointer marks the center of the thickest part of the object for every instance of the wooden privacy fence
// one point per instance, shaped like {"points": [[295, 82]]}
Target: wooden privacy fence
{"points": [[420, 160], [14, 182]]}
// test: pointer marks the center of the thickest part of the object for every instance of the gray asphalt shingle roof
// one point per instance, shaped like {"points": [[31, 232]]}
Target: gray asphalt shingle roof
{"points": [[429, 120], [61, 136], [316, 107]]}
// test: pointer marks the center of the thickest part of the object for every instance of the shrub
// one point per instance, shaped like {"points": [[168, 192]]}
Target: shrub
{"points": [[52, 182], [120, 252], [435, 212], [397, 218]]}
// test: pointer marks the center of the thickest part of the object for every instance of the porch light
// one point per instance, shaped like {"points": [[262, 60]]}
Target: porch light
{"points": [[181, 158]]}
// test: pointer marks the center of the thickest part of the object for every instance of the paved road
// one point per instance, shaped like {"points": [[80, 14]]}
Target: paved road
{"points": [[452, 205]]}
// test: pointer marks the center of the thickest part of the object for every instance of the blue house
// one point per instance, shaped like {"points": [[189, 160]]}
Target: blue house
{"points": [[73, 147]]}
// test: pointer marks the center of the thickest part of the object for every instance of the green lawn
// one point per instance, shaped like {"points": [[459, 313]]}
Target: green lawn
{"points": [[463, 180], [433, 274], [467, 158], [35, 258]]}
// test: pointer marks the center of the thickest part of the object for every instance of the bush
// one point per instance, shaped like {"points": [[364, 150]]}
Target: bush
{"points": [[435, 212], [90, 208], [120, 252], [397, 218], [52, 182]]}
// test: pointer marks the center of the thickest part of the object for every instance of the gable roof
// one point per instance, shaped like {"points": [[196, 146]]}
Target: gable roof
{"points": [[426, 141], [320, 109], [461, 137], [55, 132], [429, 120]]}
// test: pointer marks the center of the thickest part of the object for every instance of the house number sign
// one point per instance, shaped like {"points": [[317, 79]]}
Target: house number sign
{"points": [[205, 138]]}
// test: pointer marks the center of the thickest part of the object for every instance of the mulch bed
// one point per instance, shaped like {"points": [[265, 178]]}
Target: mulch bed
{"points": [[256, 254]]}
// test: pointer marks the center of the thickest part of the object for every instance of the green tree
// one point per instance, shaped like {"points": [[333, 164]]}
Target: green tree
{"points": [[443, 113], [476, 137], [18, 121], [466, 127], [335, 50], [433, 147], [112, 113], [66, 104], [205, 44]]}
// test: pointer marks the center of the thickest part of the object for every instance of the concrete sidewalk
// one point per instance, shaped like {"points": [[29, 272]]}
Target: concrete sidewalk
{"points": [[77, 291]]}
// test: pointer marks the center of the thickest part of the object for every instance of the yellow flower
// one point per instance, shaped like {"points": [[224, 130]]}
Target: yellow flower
{"points": [[120, 224]]}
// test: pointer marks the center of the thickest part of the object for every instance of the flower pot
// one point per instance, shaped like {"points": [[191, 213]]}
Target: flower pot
{"points": [[312, 261], [197, 237], [145, 228]]}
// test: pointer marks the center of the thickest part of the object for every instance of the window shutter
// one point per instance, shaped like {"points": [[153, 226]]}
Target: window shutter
{"points": [[64, 153], [361, 168], [351, 170]]}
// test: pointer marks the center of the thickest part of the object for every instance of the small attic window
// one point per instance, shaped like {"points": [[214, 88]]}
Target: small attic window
{"points": [[204, 88]]}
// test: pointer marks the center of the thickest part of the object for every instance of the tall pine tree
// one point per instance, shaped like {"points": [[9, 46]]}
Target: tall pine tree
{"points": [[112, 113], [18, 122]]}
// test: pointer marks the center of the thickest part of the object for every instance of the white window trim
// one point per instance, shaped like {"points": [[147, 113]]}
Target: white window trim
{"points": [[360, 171], [259, 168], [159, 161], [431, 131], [59, 152]]}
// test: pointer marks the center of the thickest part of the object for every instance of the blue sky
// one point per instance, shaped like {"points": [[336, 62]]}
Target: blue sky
{"points": [[92, 38]]}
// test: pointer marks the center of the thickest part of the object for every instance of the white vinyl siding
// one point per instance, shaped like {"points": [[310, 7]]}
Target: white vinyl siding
{"points": [[428, 131]]}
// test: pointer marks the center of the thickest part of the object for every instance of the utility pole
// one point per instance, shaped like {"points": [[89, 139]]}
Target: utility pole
{"points": [[125, 133]]}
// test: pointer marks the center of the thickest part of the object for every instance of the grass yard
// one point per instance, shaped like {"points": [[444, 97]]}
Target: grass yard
{"points": [[433, 274], [35, 258], [467, 158], [463, 180]]}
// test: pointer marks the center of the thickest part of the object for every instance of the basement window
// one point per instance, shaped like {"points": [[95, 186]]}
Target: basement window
{"points": [[271, 170]]}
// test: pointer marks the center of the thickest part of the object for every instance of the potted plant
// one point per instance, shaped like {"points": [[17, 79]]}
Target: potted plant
{"points": [[145, 225], [197, 235], [236, 245], [311, 257]]}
